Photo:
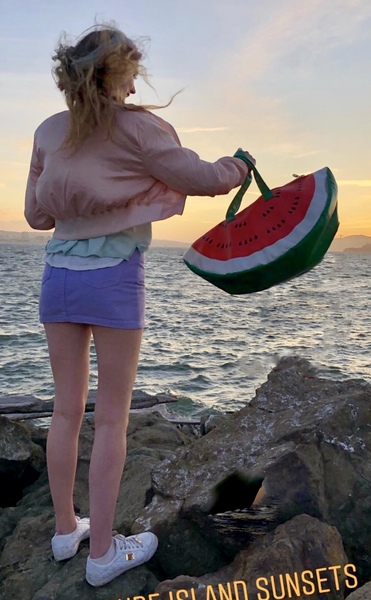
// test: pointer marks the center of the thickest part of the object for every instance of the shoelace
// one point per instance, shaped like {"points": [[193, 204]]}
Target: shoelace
{"points": [[128, 543]]}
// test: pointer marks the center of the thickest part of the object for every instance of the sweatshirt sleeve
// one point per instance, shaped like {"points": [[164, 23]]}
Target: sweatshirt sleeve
{"points": [[182, 169], [35, 217]]}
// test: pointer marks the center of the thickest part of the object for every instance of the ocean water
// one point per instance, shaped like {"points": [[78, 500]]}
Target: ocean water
{"points": [[211, 349]]}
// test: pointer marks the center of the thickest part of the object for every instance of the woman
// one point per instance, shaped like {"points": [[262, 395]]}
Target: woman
{"points": [[100, 173]]}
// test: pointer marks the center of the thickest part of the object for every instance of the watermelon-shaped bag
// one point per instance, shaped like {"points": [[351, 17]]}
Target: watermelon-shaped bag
{"points": [[283, 234]]}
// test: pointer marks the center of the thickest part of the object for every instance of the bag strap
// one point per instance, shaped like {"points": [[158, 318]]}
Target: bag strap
{"points": [[264, 189]]}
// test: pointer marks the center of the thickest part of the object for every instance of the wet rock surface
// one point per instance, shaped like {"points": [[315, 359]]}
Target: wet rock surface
{"points": [[308, 438]]}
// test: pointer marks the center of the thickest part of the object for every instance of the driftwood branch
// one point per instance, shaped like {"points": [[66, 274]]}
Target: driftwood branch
{"points": [[32, 408]]}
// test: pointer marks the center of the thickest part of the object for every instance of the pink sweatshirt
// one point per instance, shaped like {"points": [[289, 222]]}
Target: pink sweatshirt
{"points": [[141, 175]]}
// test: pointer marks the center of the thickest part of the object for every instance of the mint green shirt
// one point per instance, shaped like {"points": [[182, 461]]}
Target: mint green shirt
{"points": [[99, 252]]}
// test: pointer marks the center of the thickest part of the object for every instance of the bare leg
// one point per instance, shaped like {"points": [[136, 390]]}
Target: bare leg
{"points": [[69, 345], [117, 355]]}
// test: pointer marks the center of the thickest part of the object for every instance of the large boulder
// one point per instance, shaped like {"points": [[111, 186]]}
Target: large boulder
{"points": [[309, 437], [301, 557]]}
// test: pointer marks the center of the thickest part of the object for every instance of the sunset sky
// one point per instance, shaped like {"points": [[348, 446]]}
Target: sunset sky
{"points": [[288, 80]]}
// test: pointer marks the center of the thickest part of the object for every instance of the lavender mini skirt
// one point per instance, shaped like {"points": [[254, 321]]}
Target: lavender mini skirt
{"points": [[111, 297]]}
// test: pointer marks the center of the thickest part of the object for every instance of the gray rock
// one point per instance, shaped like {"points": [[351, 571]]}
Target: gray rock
{"points": [[8, 521], [303, 545], [308, 436], [363, 593], [27, 569]]}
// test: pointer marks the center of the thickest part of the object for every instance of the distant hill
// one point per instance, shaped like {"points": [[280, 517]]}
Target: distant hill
{"points": [[364, 249], [169, 244], [25, 236], [39, 237], [351, 243]]}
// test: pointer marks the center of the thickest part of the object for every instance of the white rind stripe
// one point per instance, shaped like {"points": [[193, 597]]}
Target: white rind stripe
{"points": [[276, 250]]}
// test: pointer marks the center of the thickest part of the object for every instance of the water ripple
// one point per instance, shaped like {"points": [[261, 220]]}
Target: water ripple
{"points": [[211, 348]]}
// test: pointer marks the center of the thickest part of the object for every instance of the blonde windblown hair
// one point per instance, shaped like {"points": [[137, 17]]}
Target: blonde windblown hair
{"points": [[90, 73]]}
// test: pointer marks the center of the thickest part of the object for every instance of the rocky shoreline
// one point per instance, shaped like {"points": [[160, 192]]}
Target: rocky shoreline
{"points": [[307, 438]]}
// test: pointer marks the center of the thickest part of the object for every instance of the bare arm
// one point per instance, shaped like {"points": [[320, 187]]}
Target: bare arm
{"points": [[182, 169]]}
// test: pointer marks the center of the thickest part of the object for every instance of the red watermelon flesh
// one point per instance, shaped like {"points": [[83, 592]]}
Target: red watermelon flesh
{"points": [[261, 224]]}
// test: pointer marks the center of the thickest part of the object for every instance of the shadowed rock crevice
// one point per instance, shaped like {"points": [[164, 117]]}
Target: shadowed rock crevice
{"points": [[12, 492], [21, 461]]}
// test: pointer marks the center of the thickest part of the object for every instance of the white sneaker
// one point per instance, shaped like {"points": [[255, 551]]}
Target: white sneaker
{"points": [[130, 552], [66, 546]]}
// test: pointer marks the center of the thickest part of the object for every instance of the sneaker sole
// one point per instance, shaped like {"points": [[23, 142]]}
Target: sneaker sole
{"points": [[99, 582]]}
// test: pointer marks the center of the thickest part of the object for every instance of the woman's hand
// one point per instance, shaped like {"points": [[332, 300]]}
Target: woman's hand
{"points": [[248, 155]]}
